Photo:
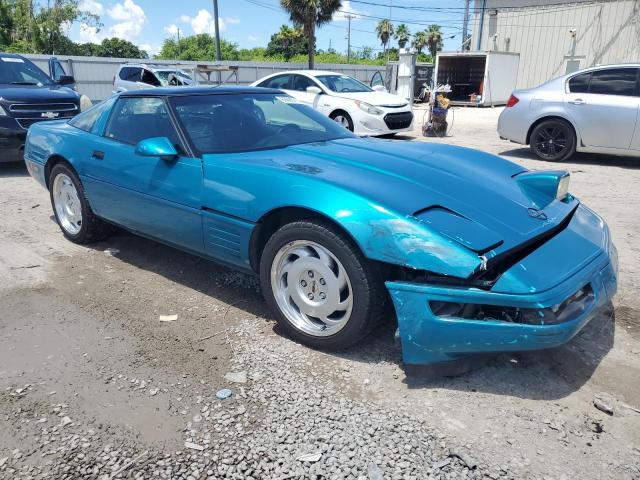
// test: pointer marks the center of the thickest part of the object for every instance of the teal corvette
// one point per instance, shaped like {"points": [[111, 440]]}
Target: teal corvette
{"points": [[475, 253]]}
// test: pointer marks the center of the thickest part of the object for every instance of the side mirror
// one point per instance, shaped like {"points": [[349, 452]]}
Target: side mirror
{"points": [[315, 90], [156, 147], [379, 88], [66, 80]]}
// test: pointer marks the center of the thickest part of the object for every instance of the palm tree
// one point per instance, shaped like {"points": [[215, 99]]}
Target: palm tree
{"points": [[402, 35], [384, 30], [420, 41], [434, 40], [308, 14]]}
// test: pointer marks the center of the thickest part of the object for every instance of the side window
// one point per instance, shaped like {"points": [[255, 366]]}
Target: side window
{"points": [[124, 73], [57, 70], [279, 82], [377, 80], [87, 120], [136, 118], [149, 78], [580, 83], [130, 74], [300, 83], [614, 81]]}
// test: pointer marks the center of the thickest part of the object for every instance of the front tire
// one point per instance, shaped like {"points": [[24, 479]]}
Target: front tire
{"points": [[71, 209], [343, 118], [324, 293], [553, 140]]}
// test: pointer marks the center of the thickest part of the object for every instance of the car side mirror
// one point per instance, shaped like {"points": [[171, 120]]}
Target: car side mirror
{"points": [[315, 90], [156, 147], [66, 80], [379, 88]]}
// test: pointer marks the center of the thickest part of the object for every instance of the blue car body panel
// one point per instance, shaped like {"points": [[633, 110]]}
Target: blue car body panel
{"points": [[446, 210]]}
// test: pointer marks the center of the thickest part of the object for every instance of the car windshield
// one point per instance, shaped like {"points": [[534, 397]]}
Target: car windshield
{"points": [[343, 83], [163, 75], [18, 71], [245, 122]]}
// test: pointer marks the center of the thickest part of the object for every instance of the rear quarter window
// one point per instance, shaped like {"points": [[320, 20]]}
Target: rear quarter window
{"points": [[580, 83], [87, 120]]}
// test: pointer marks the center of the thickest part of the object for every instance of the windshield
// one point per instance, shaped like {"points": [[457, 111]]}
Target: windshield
{"points": [[343, 83], [163, 75], [18, 71], [246, 122]]}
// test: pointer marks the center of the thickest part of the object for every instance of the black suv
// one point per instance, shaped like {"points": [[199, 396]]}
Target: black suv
{"points": [[28, 95]]}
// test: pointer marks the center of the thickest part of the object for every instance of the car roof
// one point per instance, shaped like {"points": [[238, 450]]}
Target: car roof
{"points": [[12, 55], [200, 90], [311, 73], [604, 67]]}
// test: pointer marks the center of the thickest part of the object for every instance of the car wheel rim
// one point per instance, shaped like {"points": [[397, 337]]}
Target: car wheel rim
{"points": [[342, 120], [67, 204], [312, 288], [551, 142]]}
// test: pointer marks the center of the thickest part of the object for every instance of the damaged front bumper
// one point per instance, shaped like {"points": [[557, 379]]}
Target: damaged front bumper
{"points": [[580, 262]]}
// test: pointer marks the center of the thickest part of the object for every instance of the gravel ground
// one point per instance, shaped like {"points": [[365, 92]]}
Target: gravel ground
{"points": [[94, 385]]}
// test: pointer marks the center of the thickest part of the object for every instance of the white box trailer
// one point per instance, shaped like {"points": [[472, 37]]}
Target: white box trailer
{"points": [[478, 78]]}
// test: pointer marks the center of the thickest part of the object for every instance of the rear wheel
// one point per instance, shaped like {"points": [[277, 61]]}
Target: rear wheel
{"points": [[71, 209], [324, 292], [343, 118], [553, 140]]}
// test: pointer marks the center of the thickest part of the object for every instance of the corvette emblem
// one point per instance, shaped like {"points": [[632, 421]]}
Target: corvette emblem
{"points": [[535, 213], [49, 115]]}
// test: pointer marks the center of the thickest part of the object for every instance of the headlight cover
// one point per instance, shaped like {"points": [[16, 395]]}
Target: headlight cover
{"points": [[368, 108]]}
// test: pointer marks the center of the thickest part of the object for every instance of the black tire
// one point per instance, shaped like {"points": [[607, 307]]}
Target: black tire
{"points": [[92, 229], [369, 295], [342, 114], [553, 140]]}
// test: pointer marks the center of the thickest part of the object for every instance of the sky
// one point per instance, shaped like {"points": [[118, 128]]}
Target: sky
{"points": [[250, 23]]}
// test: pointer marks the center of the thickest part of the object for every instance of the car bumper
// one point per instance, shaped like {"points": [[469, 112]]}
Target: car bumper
{"points": [[428, 338], [11, 141], [366, 124], [512, 125]]}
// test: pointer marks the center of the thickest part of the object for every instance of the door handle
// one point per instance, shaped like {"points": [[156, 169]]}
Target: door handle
{"points": [[97, 154], [577, 101]]}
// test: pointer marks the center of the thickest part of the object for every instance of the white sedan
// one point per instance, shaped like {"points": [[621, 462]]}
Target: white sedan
{"points": [[361, 109]]}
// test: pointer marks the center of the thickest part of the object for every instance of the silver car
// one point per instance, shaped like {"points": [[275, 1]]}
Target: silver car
{"points": [[596, 110]]}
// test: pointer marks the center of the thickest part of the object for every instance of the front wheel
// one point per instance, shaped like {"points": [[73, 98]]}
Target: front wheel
{"points": [[553, 140], [324, 292], [71, 209], [343, 118]]}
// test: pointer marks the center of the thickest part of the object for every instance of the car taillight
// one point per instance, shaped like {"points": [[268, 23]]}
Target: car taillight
{"points": [[512, 101]]}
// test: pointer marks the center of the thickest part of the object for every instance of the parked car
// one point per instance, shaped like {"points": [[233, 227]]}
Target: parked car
{"points": [[27, 96], [132, 76], [57, 73], [357, 107], [477, 253], [593, 110]]}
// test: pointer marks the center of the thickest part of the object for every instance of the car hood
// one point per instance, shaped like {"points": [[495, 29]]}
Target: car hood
{"points": [[33, 93], [466, 195], [375, 98]]}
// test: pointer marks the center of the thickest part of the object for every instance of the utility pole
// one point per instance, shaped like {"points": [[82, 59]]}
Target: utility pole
{"points": [[178, 43], [217, 29], [481, 27], [349, 39], [465, 24]]}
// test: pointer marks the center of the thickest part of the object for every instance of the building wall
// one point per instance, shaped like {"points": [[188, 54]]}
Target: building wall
{"points": [[605, 32], [94, 75]]}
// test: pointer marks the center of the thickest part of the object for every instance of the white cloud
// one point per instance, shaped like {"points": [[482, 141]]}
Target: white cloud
{"points": [[203, 22], [91, 6], [150, 48], [90, 34], [131, 18], [348, 9], [171, 29]]}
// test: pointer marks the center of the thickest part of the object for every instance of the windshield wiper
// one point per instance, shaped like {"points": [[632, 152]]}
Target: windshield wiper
{"points": [[22, 83]]}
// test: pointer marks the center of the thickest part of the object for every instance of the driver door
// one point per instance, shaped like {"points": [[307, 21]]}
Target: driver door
{"points": [[159, 198]]}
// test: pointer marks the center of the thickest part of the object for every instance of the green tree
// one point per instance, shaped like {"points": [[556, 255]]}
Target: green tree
{"points": [[309, 14], [117, 47], [434, 39], [287, 42], [197, 47], [420, 41], [402, 35], [384, 31]]}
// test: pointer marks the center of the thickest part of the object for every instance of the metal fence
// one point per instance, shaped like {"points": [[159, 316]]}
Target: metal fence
{"points": [[94, 75]]}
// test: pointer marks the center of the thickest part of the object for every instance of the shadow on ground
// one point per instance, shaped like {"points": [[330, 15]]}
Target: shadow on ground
{"points": [[579, 158], [13, 169]]}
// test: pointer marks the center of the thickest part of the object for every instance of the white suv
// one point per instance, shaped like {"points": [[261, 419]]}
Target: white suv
{"points": [[136, 76]]}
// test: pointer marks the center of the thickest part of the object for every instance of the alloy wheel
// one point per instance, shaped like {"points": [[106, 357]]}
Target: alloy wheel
{"points": [[67, 204]]}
